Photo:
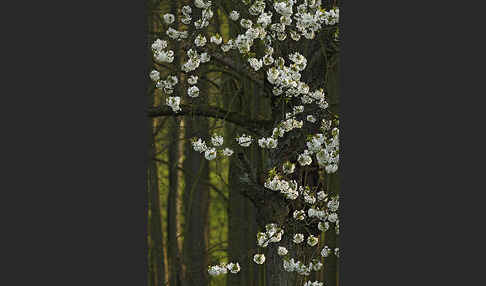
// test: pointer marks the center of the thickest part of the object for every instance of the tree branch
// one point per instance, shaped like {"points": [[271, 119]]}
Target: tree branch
{"points": [[237, 118]]}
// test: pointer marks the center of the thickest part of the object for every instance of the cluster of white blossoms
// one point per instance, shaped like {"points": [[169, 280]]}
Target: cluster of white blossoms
{"points": [[304, 159], [167, 85], [244, 140], [315, 283], [206, 13], [256, 64], [299, 237], [269, 143], [291, 265], [224, 268], [186, 13], [273, 234], [326, 150], [283, 19], [282, 128], [194, 60], [210, 153], [286, 188], [177, 35], [161, 55], [173, 102], [310, 18], [217, 140]]}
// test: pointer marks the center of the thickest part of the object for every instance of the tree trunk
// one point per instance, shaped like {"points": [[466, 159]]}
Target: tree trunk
{"points": [[196, 199], [156, 263], [156, 220], [174, 263], [175, 269]]}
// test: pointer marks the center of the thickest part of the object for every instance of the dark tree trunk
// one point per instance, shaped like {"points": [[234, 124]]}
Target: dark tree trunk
{"points": [[156, 262], [156, 220], [196, 198], [174, 260]]}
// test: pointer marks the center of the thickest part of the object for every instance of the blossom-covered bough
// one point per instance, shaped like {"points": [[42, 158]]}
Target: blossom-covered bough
{"points": [[296, 201]]}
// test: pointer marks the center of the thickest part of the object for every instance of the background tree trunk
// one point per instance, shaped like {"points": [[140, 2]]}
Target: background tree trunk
{"points": [[175, 267], [196, 198], [242, 216], [156, 220]]}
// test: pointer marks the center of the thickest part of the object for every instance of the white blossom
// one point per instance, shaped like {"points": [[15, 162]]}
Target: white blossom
{"points": [[193, 91], [333, 217], [288, 168], [164, 56], [298, 238], [315, 283], [154, 75], [233, 267], [217, 140], [169, 18], [299, 214], [244, 140], [200, 40], [325, 251], [234, 15], [210, 153], [256, 64], [186, 10], [216, 39], [321, 195], [259, 258], [269, 143], [312, 240], [304, 159], [282, 251], [173, 102], [192, 80], [227, 152], [199, 145], [323, 226], [201, 4], [159, 45]]}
